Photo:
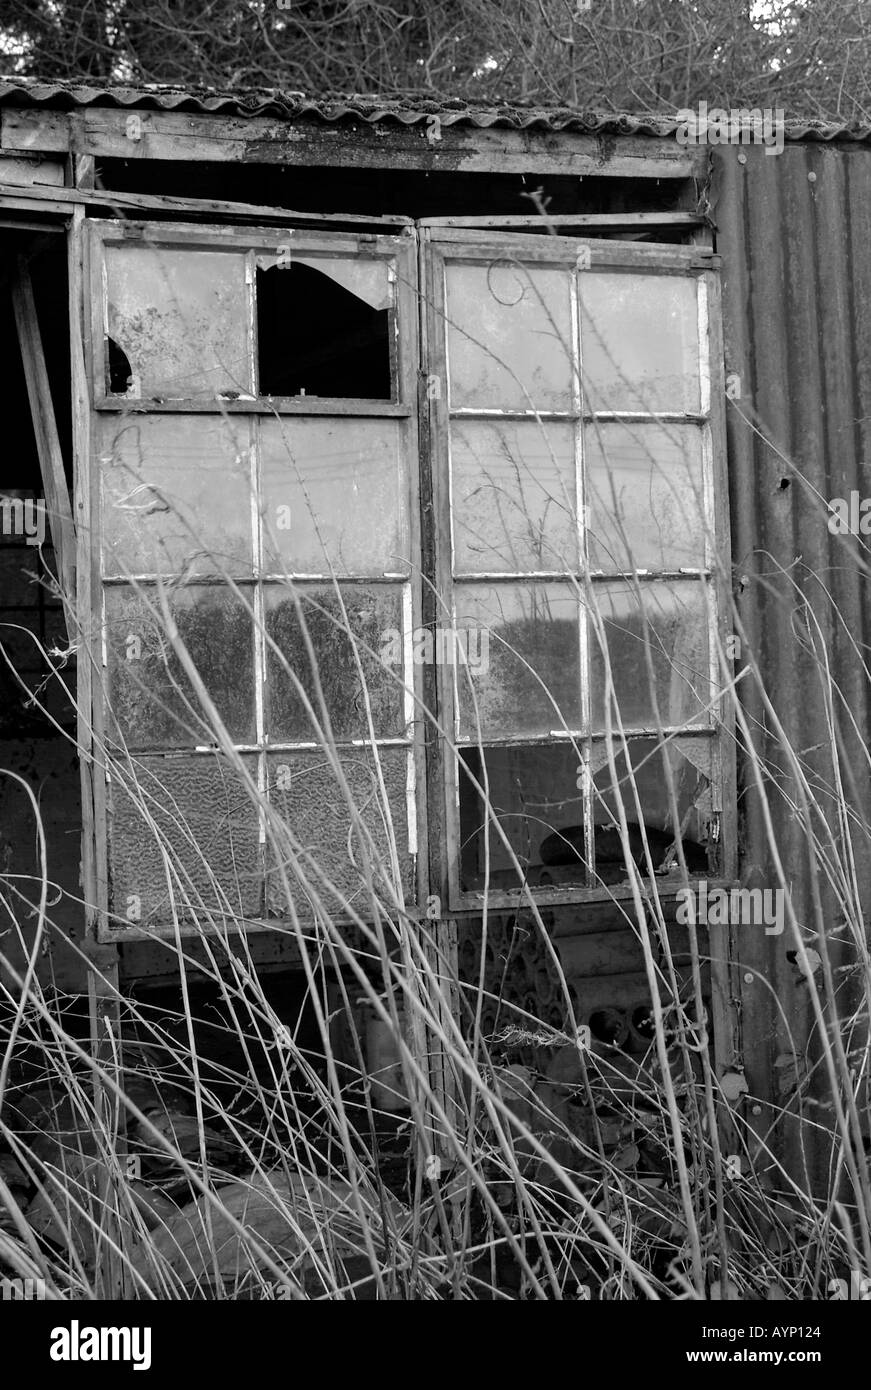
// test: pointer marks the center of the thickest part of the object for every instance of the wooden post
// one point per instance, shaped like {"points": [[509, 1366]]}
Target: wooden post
{"points": [[54, 481], [103, 975]]}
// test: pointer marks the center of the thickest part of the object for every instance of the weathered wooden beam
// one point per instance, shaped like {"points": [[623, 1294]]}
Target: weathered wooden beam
{"points": [[89, 703], [57, 497], [573, 219], [104, 999], [82, 170], [33, 199], [204, 207], [173, 135], [22, 170]]}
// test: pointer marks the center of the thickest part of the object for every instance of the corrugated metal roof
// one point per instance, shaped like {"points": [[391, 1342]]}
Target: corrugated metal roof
{"points": [[372, 109]]}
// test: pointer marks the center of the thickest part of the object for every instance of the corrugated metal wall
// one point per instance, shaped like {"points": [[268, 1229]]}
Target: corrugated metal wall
{"points": [[794, 232]]}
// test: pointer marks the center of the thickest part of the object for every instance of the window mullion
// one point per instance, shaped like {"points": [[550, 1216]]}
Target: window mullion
{"points": [[585, 781], [259, 635]]}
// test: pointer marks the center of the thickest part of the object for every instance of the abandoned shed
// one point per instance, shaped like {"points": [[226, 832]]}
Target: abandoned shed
{"points": [[438, 501]]}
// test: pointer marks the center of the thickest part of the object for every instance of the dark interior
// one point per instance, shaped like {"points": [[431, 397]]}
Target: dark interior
{"points": [[315, 338]]}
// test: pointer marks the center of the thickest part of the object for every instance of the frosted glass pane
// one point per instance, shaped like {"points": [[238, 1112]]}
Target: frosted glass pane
{"points": [[523, 668], [639, 342], [176, 495], [645, 494], [513, 493], [180, 318], [195, 810], [150, 697], [509, 336], [313, 801], [335, 496], [671, 622], [373, 614]]}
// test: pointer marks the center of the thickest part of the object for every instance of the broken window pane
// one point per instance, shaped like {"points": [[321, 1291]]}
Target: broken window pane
{"points": [[176, 495], [334, 496], [369, 280], [513, 493], [179, 318], [323, 333], [639, 342], [372, 621], [509, 336], [671, 619], [643, 776], [524, 638], [645, 494], [196, 809], [532, 792], [149, 696], [313, 801]]}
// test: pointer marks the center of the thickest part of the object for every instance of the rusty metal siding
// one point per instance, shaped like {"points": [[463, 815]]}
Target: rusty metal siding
{"points": [[794, 232]]}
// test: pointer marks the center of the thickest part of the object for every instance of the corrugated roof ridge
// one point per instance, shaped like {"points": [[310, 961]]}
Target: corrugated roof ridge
{"points": [[407, 110]]}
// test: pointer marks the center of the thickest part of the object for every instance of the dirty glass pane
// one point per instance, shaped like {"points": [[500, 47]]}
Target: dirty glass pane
{"points": [[179, 318], [197, 810], [334, 496], [314, 802], [671, 620], [373, 621], [639, 342], [509, 336], [645, 493], [521, 641], [513, 496], [324, 330], [176, 495], [149, 695], [643, 776], [533, 792]]}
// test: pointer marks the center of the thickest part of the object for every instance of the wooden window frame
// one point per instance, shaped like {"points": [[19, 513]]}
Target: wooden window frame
{"points": [[401, 250], [419, 359], [256, 242], [439, 244]]}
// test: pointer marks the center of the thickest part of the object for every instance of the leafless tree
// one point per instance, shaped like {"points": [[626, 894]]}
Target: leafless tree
{"points": [[809, 57]]}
